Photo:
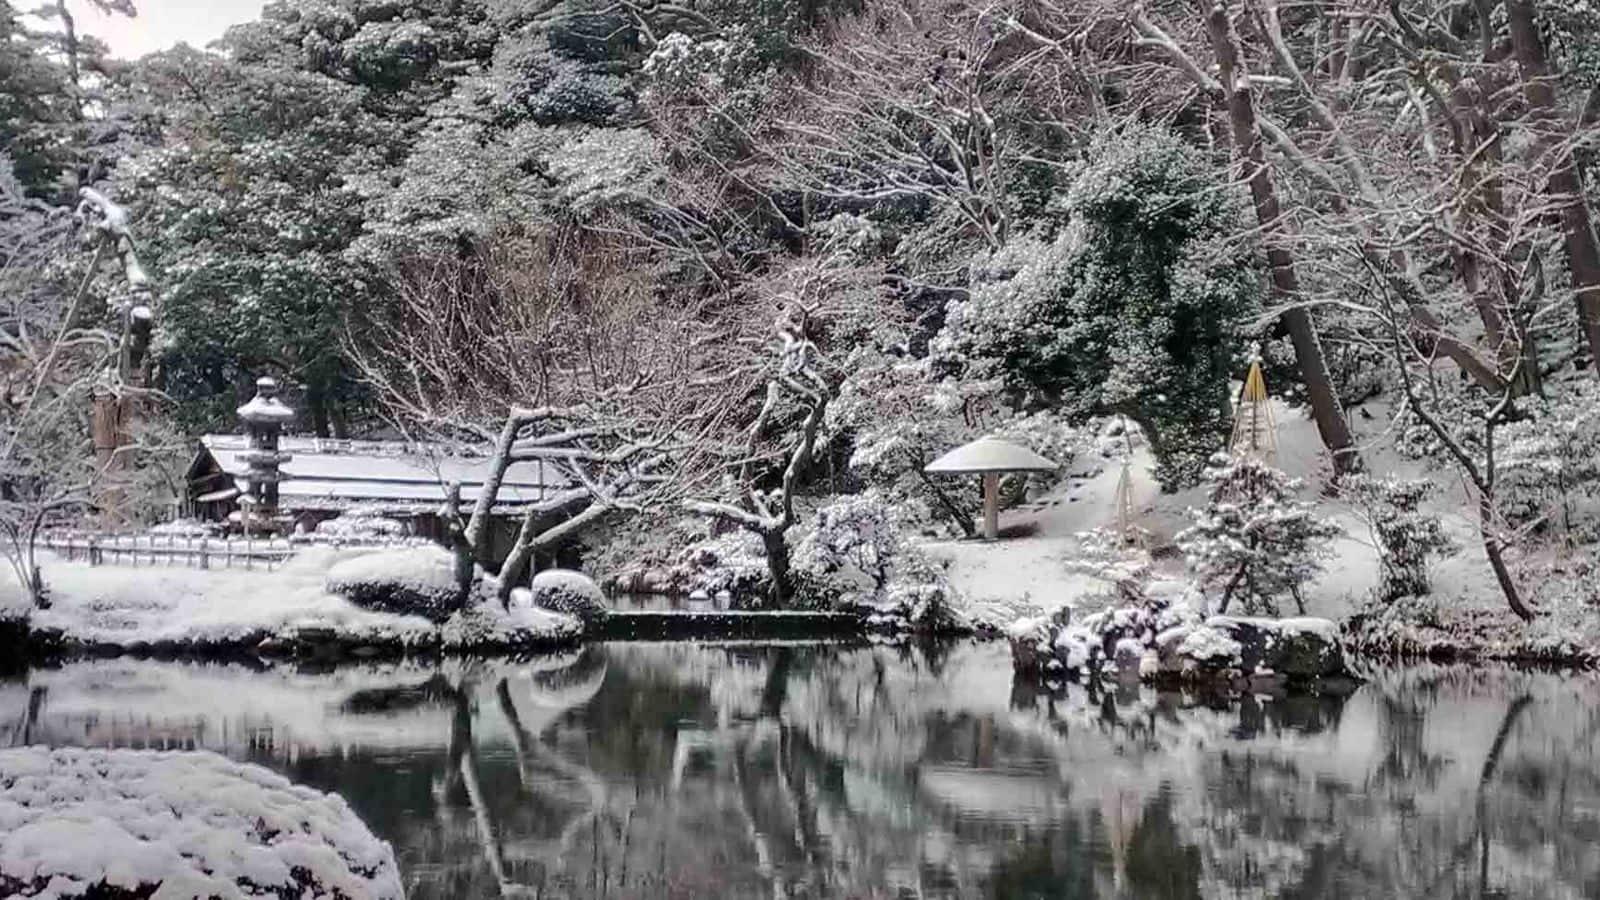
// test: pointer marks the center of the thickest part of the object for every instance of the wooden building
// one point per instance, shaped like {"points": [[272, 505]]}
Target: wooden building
{"points": [[324, 478]]}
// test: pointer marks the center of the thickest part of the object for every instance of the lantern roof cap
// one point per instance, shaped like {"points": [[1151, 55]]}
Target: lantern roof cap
{"points": [[265, 408]]}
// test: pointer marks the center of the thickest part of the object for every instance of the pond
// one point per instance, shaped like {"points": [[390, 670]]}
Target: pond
{"points": [[817, 770]]}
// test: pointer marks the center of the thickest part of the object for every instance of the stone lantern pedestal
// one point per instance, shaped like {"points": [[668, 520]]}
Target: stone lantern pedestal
{"points": [[264, 418]]}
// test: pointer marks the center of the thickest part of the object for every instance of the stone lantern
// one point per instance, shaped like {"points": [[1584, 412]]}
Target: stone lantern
{"points": [[264, 417]]}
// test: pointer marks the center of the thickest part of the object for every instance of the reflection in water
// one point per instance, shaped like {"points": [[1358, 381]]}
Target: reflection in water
{"points": [[805, 770]]}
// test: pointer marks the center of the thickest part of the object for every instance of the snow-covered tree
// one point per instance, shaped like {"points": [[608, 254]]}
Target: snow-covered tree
{"points": [[1254, 539], [1407, 537], [795, 402], [1136, 306], [53, 356]]}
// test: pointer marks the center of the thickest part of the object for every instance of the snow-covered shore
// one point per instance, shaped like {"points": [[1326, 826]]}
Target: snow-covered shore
{"points": [[179, 611], [1038, 572]]}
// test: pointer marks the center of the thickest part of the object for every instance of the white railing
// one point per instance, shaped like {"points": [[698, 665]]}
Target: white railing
{"points": [[169, 550]]}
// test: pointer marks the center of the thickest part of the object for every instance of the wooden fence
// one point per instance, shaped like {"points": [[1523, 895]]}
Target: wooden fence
{"points": [[169, 550]]}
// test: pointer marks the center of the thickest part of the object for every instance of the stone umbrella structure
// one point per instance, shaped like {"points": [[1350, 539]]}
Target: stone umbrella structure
{"points": [[990, 457]]}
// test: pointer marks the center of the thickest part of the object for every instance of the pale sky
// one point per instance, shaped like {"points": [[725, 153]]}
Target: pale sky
{"points": [[163, 23]]}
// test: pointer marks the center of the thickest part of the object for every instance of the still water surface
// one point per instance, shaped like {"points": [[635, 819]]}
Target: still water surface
{"points": [[806, 770]]}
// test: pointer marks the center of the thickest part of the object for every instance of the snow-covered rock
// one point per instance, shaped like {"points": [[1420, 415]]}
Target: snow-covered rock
{"points": [[118, 824], [1163, 640], [566, 591], [417, 581]]}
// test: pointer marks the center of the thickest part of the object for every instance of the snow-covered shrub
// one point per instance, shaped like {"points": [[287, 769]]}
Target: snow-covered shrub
{"points": [[848, 551], [417, 581], [186, 528], [1406, 536], [392, 51], [1135, 306], [1089, 645], [361, 524], [733, 562], [1113, 556], [566, 591], [1254, 539], [485, 625], [125, 824], [1548, 466], [854, 555]]}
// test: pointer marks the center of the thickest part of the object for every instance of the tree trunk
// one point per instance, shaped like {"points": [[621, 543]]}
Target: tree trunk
{"points": [[1247, 140], [458, 543], [777, 551], [1565, 184], [1497, 562]]}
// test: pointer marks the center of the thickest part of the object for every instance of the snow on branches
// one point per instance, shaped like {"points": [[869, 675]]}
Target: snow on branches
{"points": [[1254, 539]]}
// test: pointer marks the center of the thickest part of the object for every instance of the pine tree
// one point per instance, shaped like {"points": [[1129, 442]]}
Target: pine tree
{"points": [[1254, 539], [1406, 536]]}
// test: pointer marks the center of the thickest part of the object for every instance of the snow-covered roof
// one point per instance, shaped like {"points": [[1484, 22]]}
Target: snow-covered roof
{"points": [[991, 454], [336, 474]]}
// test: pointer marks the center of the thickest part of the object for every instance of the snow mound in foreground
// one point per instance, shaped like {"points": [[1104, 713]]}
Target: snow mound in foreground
{"points": [[115, 823]]}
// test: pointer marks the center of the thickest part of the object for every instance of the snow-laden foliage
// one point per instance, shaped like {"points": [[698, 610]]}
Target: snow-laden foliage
{"points": [[1549, 464], [361, 523], [131, 823], [1407, 537], [1254, 540], [732, 562], [1117, 557], [855, 554], [1089, 646], [1135, 306]]}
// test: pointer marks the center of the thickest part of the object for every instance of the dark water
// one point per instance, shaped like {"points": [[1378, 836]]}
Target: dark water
{"points": [[635, 770]]}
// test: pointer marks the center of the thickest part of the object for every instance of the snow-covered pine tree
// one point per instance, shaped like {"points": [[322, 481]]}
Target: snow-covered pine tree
{"points": [[1254, 539], [1406, 536]]}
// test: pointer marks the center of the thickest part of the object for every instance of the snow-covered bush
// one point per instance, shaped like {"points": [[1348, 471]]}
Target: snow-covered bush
{"points": [[126, 824], [1406, 536], [854, 555], [848, 551], [1254, 539], [1113, 556], [1548, 465], [418, 581], [733, 562], [186, 528], [566, 591], [361, 523], [485, 625], [1090, 646]]}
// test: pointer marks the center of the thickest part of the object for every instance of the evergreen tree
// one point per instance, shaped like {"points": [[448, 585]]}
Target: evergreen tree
{"points": [[1254, 540], [1135, 307], [247, 210], [1406, 536]]}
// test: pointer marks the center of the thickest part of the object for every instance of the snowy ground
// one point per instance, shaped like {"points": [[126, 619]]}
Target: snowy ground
{"points": [[128, 606], [1029, 575]]}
